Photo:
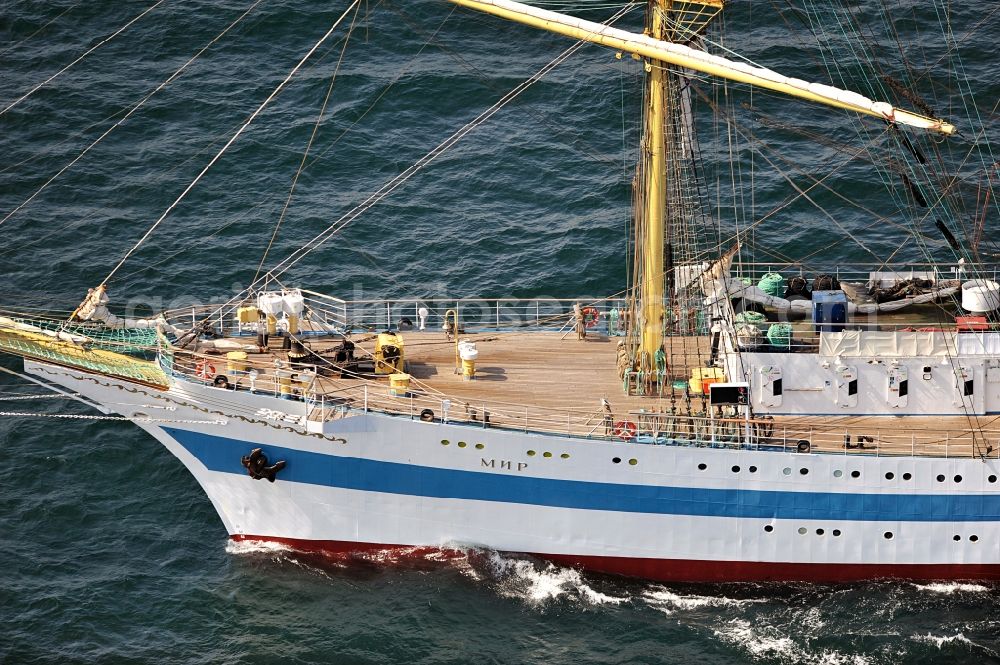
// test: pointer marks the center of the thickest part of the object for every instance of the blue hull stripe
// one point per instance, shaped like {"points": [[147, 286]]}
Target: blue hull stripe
{"points": [[222, 454]]}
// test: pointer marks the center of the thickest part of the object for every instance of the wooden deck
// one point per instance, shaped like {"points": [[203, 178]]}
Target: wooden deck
{"points": [[542, 381]]}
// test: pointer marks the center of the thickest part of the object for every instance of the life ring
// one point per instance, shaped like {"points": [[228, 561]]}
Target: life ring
{"points": [[427, 416], [803, 446], [625, 430], [221, 381], [590, 316], [204, 369]]}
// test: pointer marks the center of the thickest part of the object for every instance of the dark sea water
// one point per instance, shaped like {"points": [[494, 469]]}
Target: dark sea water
{"points": [[109, 551]]}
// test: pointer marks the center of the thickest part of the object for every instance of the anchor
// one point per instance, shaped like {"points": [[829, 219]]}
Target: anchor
{"points": [[256, 465]]}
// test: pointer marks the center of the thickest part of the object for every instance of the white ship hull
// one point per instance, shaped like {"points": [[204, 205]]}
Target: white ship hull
{"points": [[372, 481]]}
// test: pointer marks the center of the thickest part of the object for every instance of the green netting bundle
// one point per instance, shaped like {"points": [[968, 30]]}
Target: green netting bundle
{"points": [[780, 334], [772, 284], [751, 317]]}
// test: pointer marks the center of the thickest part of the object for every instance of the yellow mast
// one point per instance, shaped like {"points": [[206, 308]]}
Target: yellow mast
{"points": [[654, 199], [669, 42]]}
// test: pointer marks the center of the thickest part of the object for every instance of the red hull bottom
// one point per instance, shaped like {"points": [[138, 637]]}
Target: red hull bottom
{"points": [[685, 570]]}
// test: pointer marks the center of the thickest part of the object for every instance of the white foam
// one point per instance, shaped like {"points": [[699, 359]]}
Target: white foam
{"points": [[952, 587], [739, 632], [456, 556], [832, 657], [598, 598], [523, 579], [765, 643], [940, 641], [255, 547], [667, 601]]}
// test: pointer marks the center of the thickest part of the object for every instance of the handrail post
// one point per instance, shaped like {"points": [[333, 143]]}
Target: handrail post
{"points": [[366, 398], [947, 440], [525, 420], [498, 314]]}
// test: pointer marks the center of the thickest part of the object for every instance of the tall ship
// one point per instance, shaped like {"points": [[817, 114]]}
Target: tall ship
{"points": [[719, 419]]}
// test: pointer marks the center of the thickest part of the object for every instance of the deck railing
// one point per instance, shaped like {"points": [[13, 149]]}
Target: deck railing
{"points": [[328, 314], [318, 402], [861, 273]]}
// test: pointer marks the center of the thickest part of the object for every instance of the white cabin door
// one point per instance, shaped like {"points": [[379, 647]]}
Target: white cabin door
{"points": [[847, 386], [770, 386], [970, 388], [898, 387]]}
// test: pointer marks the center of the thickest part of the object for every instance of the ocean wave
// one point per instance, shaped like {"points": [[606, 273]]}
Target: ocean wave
{"points": [[941, 640], [668, 602], [240, 547], [766, 643], [952, 587], [537, 583]]}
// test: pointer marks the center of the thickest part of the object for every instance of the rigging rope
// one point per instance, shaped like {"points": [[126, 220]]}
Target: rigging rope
{"points": [[424, 161], [78, 416], [398, 180], [85, 54], [132, 110], [243, 127], [312, 137]]}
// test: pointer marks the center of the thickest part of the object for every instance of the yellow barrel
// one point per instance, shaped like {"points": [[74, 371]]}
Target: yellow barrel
{"points": [[236, 361], [468, 369], [247, 315], [293, 324], [272, 324], [285, 385], [399, 385]]}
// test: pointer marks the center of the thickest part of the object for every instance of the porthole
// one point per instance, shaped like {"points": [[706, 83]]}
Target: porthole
{"points": [[855, 474], [940, 478], [753, 469], [804, 471], [992, 479], [890, 475], [956, 538], [837, 473], [616, 460], [819, 532], [565, 456], [907, 476], [445, 442], [462, 444], [546, 454], [836, 532], [802, 531], [887, 535], [973, 538], [787, 471], [768, 528], [479, 446], [531, 453], [736, 469], [633, 461], [702, 467], [958, 479]]}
